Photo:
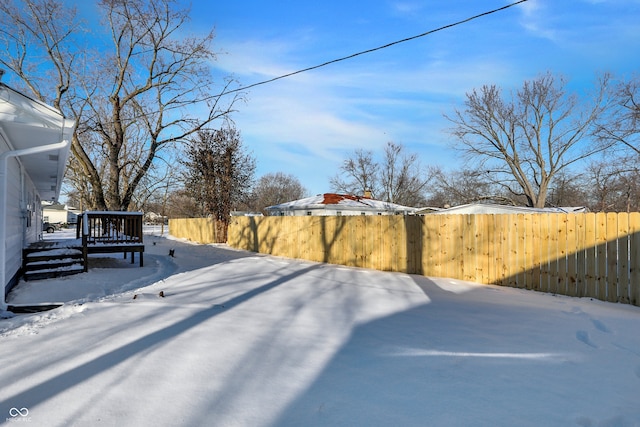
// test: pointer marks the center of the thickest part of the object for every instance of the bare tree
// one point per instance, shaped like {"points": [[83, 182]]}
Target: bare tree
{"points": [[568, 189], [358, 175], [181, 204], [147, 88], [403, 180], [622, 124], [613, 184], [525, 141], [219, 173], [398, 178], [38, 40], [462, 186], [274, 188]]}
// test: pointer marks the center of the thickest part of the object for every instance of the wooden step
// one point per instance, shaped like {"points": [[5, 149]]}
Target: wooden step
{"points": [[45, 262], [52, 273]]}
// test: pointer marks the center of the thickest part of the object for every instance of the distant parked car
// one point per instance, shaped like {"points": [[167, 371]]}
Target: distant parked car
{"points": [[49, 227]]}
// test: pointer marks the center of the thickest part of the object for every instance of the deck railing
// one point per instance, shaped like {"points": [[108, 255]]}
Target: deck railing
{"points": [[110, 228], [110, 231]]}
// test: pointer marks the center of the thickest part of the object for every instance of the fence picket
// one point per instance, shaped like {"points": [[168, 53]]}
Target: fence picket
{"points": [[571, 275], [623, 258], [601, 256], [611, 278], [581, 260], [530, 244], [536, 254], [545, 253], [591, 244], [634, 257], [469, 252], [562, 254], [482, 247], [521, 252]]}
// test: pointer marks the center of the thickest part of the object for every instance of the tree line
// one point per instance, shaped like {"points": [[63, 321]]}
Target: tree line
{"points": [[154, 133], [541, 145]]}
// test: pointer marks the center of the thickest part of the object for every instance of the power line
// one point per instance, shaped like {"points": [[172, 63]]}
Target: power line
{"points": [[333, 61]]}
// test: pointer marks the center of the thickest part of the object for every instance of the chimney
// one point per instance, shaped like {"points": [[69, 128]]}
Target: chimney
{"points": [[367, 194]]}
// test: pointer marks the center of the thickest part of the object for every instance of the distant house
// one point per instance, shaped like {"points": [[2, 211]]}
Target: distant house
{"points": [[58, 213], [331, 204], [34, 146], [154, 218], [489, 208]]}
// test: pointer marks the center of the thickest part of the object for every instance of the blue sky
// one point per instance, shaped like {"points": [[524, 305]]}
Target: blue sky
{"points": [[308, 124]]}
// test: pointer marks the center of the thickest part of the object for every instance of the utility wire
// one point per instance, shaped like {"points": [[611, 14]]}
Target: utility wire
{"points": [[324, 64]]}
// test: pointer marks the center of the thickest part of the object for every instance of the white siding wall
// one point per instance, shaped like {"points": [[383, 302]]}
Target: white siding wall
{"points": [[13, 231], [22, 216], [31, 204]]}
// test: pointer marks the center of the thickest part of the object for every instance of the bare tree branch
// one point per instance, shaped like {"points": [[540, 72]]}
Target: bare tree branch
{"points": [[531, 137]]}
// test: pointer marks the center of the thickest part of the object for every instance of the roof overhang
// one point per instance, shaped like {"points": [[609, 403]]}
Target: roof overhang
{"points": [[26, 124]]}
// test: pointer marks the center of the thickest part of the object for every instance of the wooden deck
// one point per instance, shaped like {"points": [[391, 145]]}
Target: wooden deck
{"points": [[96, 232], [111, 232]]}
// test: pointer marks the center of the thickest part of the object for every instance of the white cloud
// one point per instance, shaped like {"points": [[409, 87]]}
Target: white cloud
{"points": [[535, 21], [267, 59], [320, 115], [407, 7]]}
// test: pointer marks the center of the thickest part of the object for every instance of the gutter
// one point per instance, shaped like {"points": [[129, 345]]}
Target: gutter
{"points": [[4, 160]]}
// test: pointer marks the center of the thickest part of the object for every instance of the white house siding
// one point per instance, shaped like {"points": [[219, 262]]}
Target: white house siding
{"points": [[34, 146], [33, 225], [13, 232], [21, 217]]}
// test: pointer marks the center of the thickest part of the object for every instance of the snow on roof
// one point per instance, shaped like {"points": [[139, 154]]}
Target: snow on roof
{"points": [[489, 208], [54, 207], [112, 213], [342, 201]]}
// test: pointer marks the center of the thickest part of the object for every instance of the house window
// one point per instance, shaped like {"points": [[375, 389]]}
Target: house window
{"points": [[308, 213], [339, 213]]}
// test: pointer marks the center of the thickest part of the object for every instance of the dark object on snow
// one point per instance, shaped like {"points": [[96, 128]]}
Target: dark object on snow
{"points": [[35, 308], [49, 227], [161, 294], [172, 253], [135, 296]]}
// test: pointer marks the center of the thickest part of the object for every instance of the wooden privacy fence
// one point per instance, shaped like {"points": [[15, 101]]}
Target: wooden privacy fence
{"points": [[201, 230], [586, 254]]}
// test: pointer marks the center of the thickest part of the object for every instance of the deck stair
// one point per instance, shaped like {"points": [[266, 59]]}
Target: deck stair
{"points": [[46, 262]]}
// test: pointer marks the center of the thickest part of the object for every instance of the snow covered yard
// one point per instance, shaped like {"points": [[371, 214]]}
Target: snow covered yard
{"points": [[242, 339]]}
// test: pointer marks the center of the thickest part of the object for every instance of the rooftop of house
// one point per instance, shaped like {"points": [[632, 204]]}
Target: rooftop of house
{"points": [[490, 208], [342, 201]]}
